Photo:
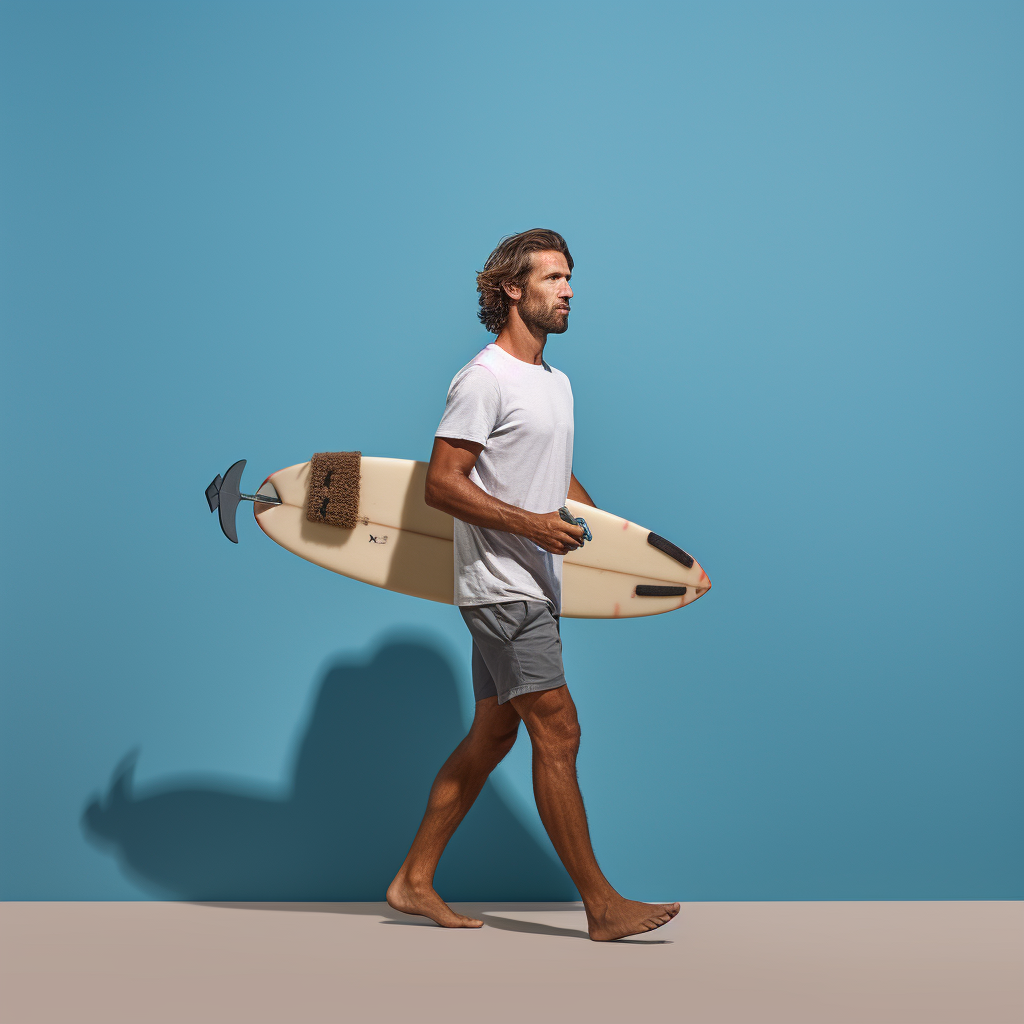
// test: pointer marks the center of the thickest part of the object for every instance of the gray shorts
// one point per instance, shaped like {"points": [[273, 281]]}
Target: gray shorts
{"points": [[516, 648]]}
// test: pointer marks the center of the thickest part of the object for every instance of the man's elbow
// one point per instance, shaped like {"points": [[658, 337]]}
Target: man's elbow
{"points": [[434, 493]]}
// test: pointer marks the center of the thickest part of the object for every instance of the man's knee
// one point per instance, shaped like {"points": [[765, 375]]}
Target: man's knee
{"points": [[558, 740], [554, 727], [503, 742], [495, 742]]}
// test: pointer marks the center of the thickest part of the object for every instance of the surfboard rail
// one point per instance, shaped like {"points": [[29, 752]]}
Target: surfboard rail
{"points": [[400, 543]]}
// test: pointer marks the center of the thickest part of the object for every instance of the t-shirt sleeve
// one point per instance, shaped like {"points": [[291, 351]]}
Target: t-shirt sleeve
{"points": [[473, 406]]}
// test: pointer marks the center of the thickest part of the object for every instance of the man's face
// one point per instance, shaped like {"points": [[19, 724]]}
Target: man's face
{"points": [[544, 305]]}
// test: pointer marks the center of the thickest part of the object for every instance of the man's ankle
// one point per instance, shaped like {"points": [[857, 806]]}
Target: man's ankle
{"points": [[415, 882], [600, 900]]}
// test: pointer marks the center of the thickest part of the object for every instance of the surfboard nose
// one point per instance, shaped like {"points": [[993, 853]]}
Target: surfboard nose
{"points": [[705, 584]]}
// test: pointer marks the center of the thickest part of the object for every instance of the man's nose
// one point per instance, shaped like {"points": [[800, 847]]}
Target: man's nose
{"points": [[566, 292]]}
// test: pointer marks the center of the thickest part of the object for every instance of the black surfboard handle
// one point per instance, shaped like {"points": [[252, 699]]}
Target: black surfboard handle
{"points": [[670, 549]]}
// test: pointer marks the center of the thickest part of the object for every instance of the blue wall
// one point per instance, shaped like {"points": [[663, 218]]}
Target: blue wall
{"points": [[251, 231]]}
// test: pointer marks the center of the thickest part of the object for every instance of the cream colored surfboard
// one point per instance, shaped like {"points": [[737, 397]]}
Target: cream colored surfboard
{"points": [[401, 543]]}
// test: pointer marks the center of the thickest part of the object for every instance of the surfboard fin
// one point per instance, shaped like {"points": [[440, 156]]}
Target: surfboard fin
{"points": [[224, 494]]}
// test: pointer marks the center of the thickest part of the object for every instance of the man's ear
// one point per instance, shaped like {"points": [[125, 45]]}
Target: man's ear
{"points": [[512, 290]]}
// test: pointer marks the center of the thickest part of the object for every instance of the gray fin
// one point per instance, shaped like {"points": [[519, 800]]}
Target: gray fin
{"points": [[228, 497]]}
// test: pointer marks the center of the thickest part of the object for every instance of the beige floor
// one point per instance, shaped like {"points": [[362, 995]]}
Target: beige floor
{"points": [[718, 963]]}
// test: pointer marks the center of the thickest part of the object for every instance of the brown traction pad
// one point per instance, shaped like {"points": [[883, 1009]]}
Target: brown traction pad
{"points": [[334, 489]]}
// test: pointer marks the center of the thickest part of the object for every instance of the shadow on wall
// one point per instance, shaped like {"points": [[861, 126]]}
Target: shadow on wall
{"points": [[378, 733]]}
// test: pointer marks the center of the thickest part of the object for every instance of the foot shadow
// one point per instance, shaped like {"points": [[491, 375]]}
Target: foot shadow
{"points": [[487, 911], [510, 924], [379, 731]]}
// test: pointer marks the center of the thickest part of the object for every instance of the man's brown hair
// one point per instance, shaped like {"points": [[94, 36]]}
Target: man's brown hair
{"points": [[510, 263]]}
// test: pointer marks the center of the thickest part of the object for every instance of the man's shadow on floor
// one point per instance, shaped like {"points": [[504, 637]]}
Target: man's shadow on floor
{"points": [[378, 733]]}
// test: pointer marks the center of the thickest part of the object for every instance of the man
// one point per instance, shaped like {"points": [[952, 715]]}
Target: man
{"points": [[502, 466]]}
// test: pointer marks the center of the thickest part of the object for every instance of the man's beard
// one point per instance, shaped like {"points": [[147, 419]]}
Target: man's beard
{"points": [[541, 319]]}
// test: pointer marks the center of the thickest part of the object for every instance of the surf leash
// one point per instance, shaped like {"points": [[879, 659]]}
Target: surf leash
{"points": [[576, 521]]}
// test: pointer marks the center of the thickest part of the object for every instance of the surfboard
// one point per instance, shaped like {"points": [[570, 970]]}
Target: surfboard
{"points": [[401, 543]]}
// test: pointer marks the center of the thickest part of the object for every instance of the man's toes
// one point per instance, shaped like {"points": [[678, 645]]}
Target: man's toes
{"points": [[661, 916]]}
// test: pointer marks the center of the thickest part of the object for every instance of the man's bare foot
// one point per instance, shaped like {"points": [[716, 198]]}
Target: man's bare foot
{"points": [[425, 902], [627, 917]]}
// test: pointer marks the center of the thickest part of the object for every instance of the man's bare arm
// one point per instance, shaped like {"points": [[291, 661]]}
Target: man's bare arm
{"points": [[578, 492], [450, 490]]}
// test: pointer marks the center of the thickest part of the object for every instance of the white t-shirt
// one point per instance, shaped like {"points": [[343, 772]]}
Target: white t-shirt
{"points": [[522, 414]]}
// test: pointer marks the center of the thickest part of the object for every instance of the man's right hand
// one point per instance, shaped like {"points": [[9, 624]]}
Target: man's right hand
{"points": [[552, 533]]}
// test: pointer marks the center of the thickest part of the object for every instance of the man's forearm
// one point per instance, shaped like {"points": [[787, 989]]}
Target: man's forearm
{"points": [[578, 492], [461, 498]]}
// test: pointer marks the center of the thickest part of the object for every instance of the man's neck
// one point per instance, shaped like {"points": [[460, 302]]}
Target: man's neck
{"points": [[519, 341]]}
